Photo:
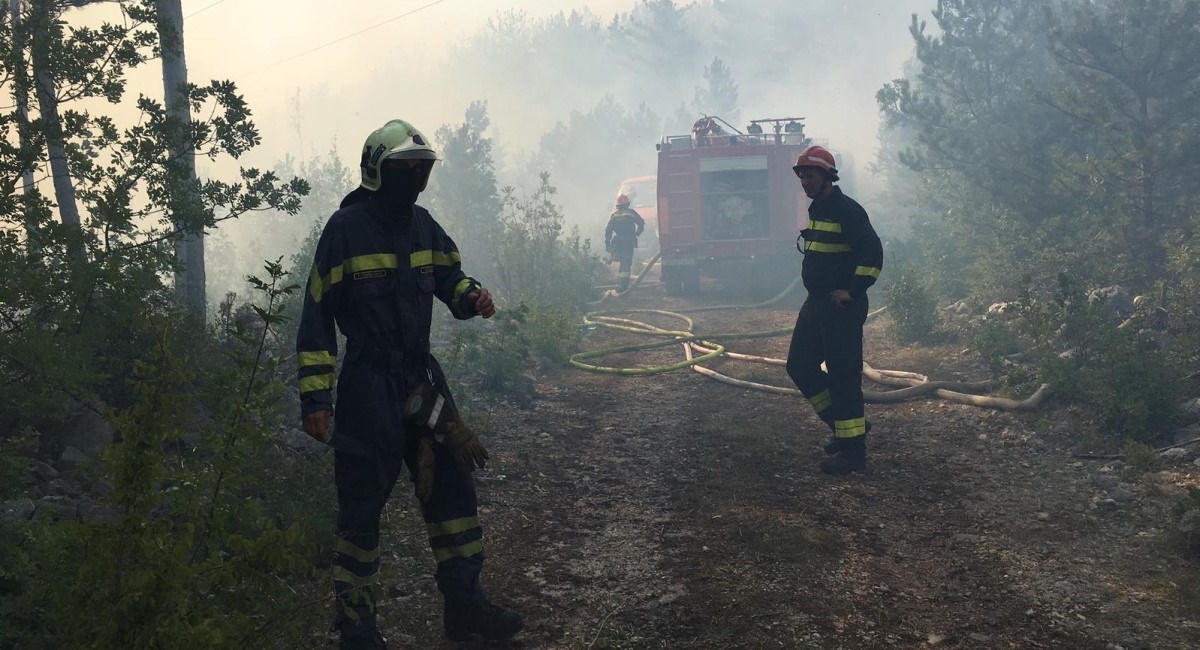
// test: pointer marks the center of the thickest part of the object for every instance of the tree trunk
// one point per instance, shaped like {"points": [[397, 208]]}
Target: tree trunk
{"points": [[21, 97], [64, 188], [189, 282]]}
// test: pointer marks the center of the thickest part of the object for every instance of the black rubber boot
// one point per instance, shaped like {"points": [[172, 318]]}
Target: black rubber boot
{"points": [[372, 640], [834, 444], [464, 618], [851, 457]]}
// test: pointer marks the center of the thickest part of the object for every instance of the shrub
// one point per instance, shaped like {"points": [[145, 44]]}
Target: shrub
{"points": [[912, 307], [1127, 380]]}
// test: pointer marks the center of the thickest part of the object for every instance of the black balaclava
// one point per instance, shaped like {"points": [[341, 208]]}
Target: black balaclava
{"points": [[399, 188]]}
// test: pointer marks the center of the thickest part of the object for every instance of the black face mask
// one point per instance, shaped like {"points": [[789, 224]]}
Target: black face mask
{"points": [[400, 188]]}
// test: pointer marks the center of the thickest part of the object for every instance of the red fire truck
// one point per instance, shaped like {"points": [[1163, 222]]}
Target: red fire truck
{"points": [[729, 204]]}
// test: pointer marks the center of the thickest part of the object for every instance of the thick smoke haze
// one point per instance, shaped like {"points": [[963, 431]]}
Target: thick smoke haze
{"points": [[583, 90]]}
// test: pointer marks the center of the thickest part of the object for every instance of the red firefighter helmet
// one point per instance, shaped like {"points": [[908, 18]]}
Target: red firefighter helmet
{"points": [[622, 201], [819, 157]]}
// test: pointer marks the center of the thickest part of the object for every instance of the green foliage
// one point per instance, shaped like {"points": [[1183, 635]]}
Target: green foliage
{"points": [[1126, 380], [912, 306], [548, 277], [201, 527], [992, 340]]}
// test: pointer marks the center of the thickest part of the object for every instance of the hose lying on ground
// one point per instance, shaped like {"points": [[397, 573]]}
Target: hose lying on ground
{"points": [[912, 384]]}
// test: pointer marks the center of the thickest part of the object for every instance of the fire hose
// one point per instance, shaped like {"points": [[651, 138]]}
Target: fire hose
{"points": [[698, 350]]}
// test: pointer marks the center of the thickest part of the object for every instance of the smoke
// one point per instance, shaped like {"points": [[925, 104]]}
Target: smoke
{"points": [[586, 95]]}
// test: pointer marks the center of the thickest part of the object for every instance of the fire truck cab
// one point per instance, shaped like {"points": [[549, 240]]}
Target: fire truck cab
{"points": [[729, 203]]}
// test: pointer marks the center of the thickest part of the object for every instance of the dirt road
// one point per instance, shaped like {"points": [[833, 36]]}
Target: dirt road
{"points": [[672, 511]]}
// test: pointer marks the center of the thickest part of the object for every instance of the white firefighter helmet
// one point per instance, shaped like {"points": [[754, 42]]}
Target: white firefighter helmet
{"points": [[396, 140]]}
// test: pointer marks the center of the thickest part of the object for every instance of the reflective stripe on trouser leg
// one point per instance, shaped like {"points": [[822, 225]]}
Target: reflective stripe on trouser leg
{"points": [[356, 581], [805, 355], [363, 486], [452, 522], [843, 338]]}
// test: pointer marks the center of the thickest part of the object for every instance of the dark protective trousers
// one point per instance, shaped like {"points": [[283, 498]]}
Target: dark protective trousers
{"points": [[834, 336], [370, 445], [623, 254]]}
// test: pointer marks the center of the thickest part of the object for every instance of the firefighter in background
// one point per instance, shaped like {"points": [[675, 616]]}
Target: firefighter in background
{"points": [[620, 238], [380, 263], [842, 259]]}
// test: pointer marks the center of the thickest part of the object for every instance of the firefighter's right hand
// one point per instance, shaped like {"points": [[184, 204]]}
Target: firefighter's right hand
{"points": [[468, 451], [317, 425]]}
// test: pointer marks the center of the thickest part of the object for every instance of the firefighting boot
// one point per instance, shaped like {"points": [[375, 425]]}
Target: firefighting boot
{"points": [[474, 615], [851, 457], [372, 640], [834, 444]]}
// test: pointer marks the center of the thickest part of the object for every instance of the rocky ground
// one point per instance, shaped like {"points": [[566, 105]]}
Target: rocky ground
{"points": [[673, 511]]}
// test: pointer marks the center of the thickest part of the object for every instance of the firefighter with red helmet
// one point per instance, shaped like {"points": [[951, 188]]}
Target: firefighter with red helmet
{"points": [[380, 263], [842, 259], [625, 225]]}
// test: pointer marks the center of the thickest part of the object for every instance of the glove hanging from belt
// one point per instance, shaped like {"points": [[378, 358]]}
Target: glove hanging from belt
{"points": [[429, 410]]}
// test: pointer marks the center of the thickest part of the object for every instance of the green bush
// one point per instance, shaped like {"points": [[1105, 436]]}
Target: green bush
{"points": [[206, 535], [1129, 382], [912, 307]]}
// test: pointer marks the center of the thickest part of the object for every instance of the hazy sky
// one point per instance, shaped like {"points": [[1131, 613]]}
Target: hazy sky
{"points": [[350, 66], [274, 48], [270, 49]]}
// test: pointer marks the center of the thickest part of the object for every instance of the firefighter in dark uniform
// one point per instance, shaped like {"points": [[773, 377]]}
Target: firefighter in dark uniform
{"points": [[842, 259], [620, 238], [380, 263]]}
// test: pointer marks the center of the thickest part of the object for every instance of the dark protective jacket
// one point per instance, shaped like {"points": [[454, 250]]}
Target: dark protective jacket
{"points": [[375, 275], [624, 227], [841, 249]]}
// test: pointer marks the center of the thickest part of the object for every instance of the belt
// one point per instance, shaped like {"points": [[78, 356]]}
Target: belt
{"points": [[390, 360]]}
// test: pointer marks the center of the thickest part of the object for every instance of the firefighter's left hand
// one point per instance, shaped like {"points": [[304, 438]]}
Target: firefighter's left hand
{"points": [[482, 300], [841, 298]]}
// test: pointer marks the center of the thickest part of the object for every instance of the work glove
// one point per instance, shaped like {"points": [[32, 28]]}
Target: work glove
{"points": [[468, 451], [429, 410]]}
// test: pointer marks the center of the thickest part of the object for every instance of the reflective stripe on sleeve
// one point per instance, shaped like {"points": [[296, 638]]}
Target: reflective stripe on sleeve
{"points": [[316, 382], [868, 271], [462, 287], [827, 226], [309, 359]]}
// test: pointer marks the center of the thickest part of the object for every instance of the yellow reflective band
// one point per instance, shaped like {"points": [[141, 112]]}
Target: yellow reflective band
{"points": [[316, 382], [307, 359], [867, 270], [461, 288], [822, 247], [350, 550], [446, 259], [850, 428], [827, 226], [370, 262], [319, 286], [342, 574], [821, 401], [453, 526], [466, 550], [420, 258], [427, 258]]}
